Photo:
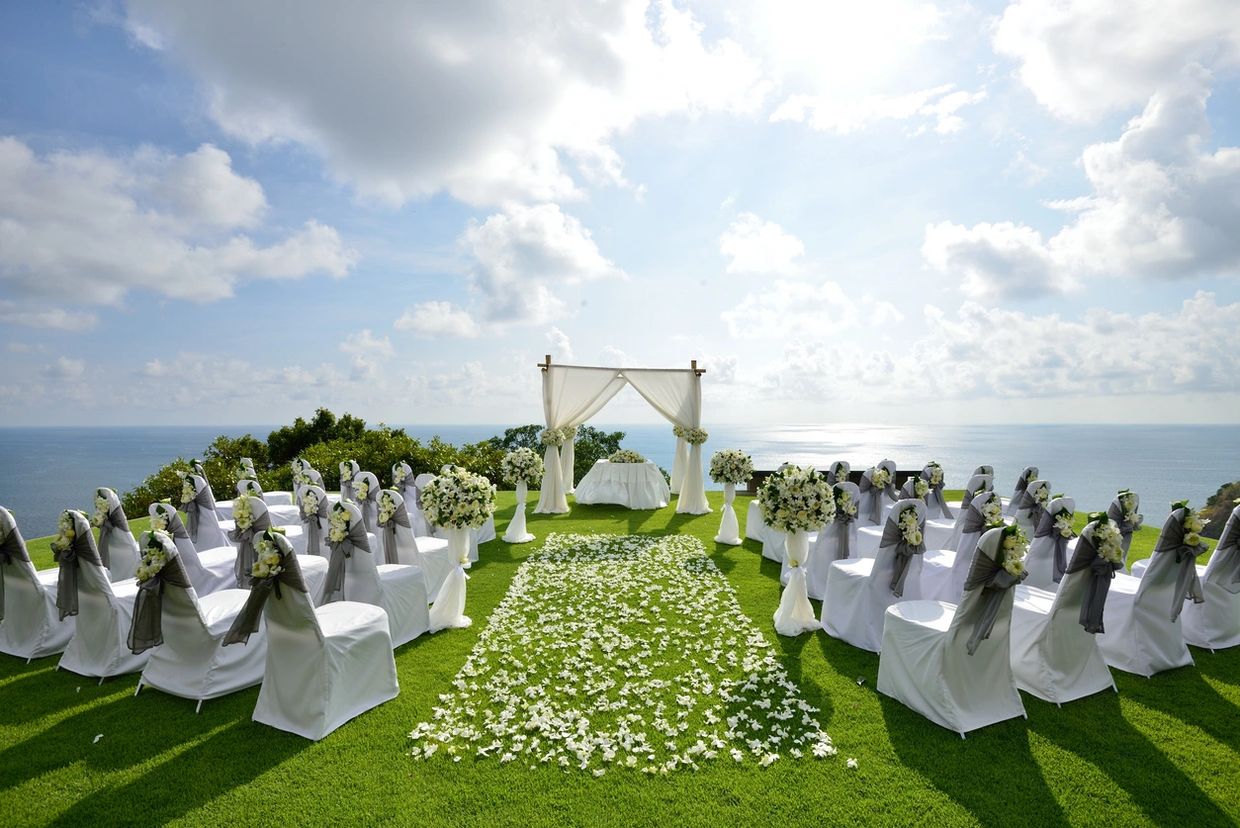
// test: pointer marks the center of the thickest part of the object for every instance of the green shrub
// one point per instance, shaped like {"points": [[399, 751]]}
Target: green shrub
{"points": [[1218, 508]]}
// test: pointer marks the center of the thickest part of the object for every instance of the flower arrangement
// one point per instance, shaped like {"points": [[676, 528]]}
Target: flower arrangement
{"points": [[1012, 550], [552, 436], [910, 526], [459, 499], [626, 456], [243, 512], [1042, 496], [1193, 523], [844, 504], [695, 436], [159, 521], [796, 499], [66, 532], [338, 528], [1063, 523], [187, 490], [267, 558], [1128, 507], [387, 506], [921, 488], [880, 477], [936, 473], [153, 556], [399, 475], [309, 502], [731, 466], [679, 431], [361, 489], [992, 512], [1107, 538], [522, 465], [101, 511], [569, 433]]}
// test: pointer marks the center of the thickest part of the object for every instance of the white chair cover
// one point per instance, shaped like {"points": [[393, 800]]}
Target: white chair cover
{"points": [[190, 662], [1028, 508], [324, 666], [755, 526], [421, 526], [399, 589], [1127, 523], [872, 499], [860, 590], [30, 625], [1215, 624], [834, 542], [1049, 551], [117, 546], [368, 505], [348, 471], [1055, 654], [314, 526], [99, 646], [280, 505], [1143, 633], [934, 662], [944, 572], [838, 472], [210, 570], [1026, 477], [201, 520], [431, 554], [976, 483]]}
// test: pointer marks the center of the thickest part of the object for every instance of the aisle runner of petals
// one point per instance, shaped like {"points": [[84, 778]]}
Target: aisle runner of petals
{"points": [[622, 651]]}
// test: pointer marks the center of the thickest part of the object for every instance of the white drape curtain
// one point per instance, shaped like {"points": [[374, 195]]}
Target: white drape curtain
{"points": [[572, 395]]}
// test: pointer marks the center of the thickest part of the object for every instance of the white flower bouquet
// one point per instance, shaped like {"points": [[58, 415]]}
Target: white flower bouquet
{"points": [[309, 502], [399, 476], [910, 526], [731, 466], [458, 499], [796, 499], [1193, 523], [679, 431], [841, 470], [267, 558], [921, 488], [1128, 508], [992, 512], [522, 465], [568, 433], [159, 521], [626, 456], [1107, 539], [66, 532], [338, 528], [187, 490], [101, 511], [1063, 523], [153, 556], [1042, 496], [243, 512], [552, 437], [387, 506], [880, 478], [844, 504], [936, 473], [361, 490], [695, 436], [1012, 550]]}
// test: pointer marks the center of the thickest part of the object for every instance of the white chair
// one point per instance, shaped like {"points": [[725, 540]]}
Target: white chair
{"points": [[209, 570], [1143, 633], [202, 522], [421, 526], [860, 590], [280, 505], [348, 471], [184, 632], [117, 547], [30, 625], [977, 483], [400, 546], [1031, 504], [314, 522], [838, 472], [938, 530], [324, 666], [368, 483], [1026, 477], [1215, 624], [835, 542], [1055, 653], [873, 498], [936, 504], [1128, 520], [104, 610], [1050, 550], [951, 662], [944, 571], [398, 588]]}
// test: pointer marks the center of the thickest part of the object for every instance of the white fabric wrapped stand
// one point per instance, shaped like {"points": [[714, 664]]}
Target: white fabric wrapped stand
{"points": [[632, 485], [516, 531], [795, 615], [729, 528], [449, 609], [31, 627]]}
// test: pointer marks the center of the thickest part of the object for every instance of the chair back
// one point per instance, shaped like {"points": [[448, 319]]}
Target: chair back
{"points": [[993, 596], [1223, 568], [250, 486]]}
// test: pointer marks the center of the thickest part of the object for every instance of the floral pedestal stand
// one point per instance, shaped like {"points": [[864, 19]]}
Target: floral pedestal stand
{"points": [[729, 527], [448, 611], [795, 614], [516, 531]]}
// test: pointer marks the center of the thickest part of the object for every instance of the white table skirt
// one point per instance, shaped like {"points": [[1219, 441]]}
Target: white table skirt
{"points": [[635, 485]]}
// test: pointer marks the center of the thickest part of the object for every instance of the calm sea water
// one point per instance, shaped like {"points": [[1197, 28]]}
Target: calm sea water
{"points": [[44, 470]]}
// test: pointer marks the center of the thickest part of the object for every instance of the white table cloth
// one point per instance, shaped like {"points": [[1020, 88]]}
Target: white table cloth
{"points": [[635, 485]]}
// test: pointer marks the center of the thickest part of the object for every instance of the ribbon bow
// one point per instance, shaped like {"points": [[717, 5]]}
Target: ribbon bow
{"points": [[246, 556], [147, 629], [247, 620], [1046, 528], [341, 551], [904, 552], [399, 518], [1187, 583], [989, 575], [12, 551], [1101, 573], [82, 548]]}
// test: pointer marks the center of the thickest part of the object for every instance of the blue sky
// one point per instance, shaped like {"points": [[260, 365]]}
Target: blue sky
{"points": [[900, 212]]}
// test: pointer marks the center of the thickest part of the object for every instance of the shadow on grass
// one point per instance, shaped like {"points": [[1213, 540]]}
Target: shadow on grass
{"points": [[1096, 731], [229, 759], [1221, 665], [992, 774], [1185, 695]]}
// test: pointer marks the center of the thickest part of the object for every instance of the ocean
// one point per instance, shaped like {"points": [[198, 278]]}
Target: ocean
{"points": [[45, 470]]}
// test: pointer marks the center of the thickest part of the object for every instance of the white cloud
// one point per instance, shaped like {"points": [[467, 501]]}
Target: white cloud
{"points": [[753, 245], [1162, 206], [55, 318], [365, 343], [92, 227], [613, 357], [937, 108], [1085, 58], [524, 252], [785, 309], [561, 345], [65, 369], [434, 319], [490, 101]]}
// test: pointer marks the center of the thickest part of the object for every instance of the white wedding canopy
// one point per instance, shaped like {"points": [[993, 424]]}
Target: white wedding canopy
{"points": [[573, 394]]}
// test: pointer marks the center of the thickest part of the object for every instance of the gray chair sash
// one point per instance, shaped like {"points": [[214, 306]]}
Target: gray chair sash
{"points": [[985, 470], [176, 526], [904, 553], [843, 549], [1046, 527], [147, 629], [966, 499], [115, 520], [876, 502], [399, 518], [974, 522], [314, 526], [989, 575], [346, 489], [333, 590], [202, 500], [12, 551], [1126, 527], [1187, 584], [246, 556], [70, 562], [1226, 569], [247, 620], [935, 498], [1101, 573]]}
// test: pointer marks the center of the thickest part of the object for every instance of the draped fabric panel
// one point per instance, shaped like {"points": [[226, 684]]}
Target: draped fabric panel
{"points": [[570, 397], [677, 395]]}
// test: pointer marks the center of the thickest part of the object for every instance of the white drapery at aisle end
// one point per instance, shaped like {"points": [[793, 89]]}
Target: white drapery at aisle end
{"points": [[573, 394]]}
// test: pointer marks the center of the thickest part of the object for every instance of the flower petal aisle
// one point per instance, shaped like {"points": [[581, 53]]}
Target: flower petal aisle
{"points": [[622, 652]]}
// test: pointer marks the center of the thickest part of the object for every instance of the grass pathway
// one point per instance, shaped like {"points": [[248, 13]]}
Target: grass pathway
{"points": [[1164, 750]]}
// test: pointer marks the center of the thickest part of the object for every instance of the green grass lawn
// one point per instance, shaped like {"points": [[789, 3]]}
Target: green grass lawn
{"points": [[1162, 751]]}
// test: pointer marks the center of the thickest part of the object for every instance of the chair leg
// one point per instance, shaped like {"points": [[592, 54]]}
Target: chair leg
{"points": [[138, 689], [198, 709], [101, 678]]}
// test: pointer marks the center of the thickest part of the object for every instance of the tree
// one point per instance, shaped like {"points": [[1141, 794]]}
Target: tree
{"points": [[1219, 507], [288, 442]]}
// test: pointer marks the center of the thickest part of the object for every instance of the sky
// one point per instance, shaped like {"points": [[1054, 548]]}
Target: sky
{"points": [[892, 212]]}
